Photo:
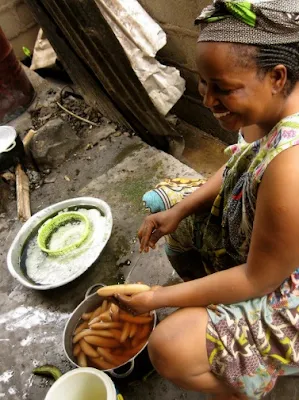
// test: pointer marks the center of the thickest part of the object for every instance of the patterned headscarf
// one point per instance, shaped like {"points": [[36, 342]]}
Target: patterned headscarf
{"points": [[250, 22]]}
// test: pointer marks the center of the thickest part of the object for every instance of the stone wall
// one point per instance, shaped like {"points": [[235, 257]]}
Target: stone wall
{"points": [[177, 17], [18, 25]]}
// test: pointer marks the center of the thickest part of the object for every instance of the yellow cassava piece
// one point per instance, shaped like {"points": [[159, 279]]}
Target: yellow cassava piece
{"points": [[127, 289]]}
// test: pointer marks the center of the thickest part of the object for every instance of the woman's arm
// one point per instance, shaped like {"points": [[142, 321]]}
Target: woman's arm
{"points": [[157, 225], [273, 255]]}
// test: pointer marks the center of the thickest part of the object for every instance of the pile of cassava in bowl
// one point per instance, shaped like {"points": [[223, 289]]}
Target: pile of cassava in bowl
{"points": [[108, 337]]}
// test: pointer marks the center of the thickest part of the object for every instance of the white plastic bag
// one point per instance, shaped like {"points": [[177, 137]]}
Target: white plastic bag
{"points": [[44, 55], [141, 38]]}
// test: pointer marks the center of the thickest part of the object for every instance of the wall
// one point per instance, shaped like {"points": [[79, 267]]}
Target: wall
{"points": [[177, 17], [18, 25]]}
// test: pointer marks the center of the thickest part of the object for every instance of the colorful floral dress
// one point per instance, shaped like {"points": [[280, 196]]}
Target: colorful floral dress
{"points": [[253, 342]]}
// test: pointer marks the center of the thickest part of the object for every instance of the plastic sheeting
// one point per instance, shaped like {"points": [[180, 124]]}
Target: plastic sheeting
{"points": [[44, 55], [141, 38]]}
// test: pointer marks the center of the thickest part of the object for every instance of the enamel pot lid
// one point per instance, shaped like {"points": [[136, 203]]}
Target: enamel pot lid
{"points": [[7, 138]]}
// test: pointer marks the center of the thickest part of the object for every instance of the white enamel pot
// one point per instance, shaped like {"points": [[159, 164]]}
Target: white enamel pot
{"points": [[11, 148]]}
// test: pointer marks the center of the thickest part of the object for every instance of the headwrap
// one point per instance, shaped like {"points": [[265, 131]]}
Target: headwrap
{"points": [[257, 22]]}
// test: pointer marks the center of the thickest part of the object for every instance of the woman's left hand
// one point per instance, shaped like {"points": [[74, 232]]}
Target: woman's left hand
{"points": [[139, 303]]}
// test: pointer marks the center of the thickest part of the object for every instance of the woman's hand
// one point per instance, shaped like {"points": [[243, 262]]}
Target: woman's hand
{"points": [[157, 225], [138, 303]]}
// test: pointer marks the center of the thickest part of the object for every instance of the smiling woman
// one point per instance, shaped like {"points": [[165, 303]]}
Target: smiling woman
{"points": [[228, 84], [237, 328]]}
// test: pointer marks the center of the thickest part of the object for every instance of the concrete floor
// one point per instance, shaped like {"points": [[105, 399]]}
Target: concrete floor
{"points": [[203, 152], [32, 322], [119, 171]]}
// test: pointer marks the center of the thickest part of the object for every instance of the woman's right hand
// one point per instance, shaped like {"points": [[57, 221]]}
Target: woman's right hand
{"points": [[155, 226], [139, 303]]}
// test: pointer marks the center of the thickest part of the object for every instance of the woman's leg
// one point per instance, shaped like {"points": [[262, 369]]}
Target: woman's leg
{"points": [[177, 349], [188, 265]]}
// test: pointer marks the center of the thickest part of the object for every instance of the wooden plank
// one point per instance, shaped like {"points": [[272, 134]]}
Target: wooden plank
{"points": [[23, 196], [26, 141], [94, 43]]}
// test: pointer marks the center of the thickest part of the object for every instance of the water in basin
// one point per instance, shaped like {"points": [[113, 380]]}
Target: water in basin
{"points": [[44, 269]]}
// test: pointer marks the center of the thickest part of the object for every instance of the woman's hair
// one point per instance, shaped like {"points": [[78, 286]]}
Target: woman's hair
{"points": [[268, 57]]}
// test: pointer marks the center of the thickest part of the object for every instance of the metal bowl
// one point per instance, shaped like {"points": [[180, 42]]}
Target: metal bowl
{"points": [[90, 303], [15, 251]]}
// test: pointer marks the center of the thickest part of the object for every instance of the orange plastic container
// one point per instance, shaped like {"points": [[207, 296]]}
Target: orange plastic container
{"points": [[16, 91]]}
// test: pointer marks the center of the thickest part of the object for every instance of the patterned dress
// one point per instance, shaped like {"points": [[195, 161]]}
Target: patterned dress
{"points": [[251, 343]]}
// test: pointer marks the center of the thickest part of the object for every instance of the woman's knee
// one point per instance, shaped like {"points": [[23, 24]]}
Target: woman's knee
{"points": [[160, 354], [178, 345]]}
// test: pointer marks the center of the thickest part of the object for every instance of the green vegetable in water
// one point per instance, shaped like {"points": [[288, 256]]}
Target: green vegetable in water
{"points": [[48, 370]]}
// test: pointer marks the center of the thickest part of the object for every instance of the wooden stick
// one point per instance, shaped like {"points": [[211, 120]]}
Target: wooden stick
{"points": [[23, 196], [26, 141], [76, 116]]}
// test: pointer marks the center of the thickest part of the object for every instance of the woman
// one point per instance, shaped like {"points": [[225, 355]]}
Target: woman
{"points": [[237, 327]]}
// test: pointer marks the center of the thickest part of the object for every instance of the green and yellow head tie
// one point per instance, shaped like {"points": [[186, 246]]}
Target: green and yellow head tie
{"points": [[250, 22]]}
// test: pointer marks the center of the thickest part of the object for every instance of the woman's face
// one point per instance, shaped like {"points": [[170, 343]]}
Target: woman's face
{"points": [[234, 92]]}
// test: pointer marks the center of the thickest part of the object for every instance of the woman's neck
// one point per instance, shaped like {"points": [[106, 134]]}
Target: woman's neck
{"points": [[284, 108], [253, 133]]}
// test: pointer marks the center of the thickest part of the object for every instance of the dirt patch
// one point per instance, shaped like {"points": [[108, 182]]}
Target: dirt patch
{"points": [[46, 112], [73, 103]]}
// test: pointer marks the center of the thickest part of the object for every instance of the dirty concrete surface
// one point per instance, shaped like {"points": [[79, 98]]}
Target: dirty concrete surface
{"points": [[32, 322], [202, 152], [118, 169]]}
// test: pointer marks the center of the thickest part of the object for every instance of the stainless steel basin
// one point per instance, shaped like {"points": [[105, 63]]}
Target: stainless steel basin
{"points": [[14, 253]]}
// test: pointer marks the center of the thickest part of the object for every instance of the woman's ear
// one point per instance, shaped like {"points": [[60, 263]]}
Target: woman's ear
{"points": [[279, 77]]}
